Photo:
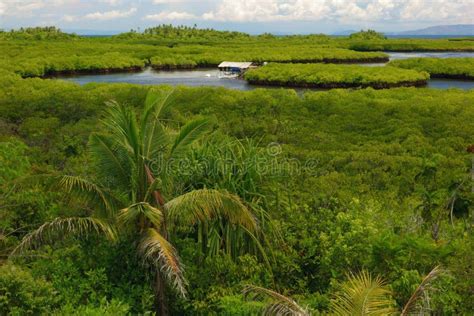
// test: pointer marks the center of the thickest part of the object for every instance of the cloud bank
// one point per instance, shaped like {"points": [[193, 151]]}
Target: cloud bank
{"points": [[127, 13], [345, 11]]}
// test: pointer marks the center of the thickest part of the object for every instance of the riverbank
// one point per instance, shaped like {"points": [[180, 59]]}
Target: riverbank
{"points": [[164, 63], [76, 72]]}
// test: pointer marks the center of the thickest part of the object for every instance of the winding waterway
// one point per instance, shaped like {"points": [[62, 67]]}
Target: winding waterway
{"points": [[210, 77]]}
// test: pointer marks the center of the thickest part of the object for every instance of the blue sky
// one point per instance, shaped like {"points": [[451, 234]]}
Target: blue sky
{"points": [[253, 16]]}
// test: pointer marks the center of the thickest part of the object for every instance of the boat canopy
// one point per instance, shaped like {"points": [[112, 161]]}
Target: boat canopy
{"points": [[232, 65]]}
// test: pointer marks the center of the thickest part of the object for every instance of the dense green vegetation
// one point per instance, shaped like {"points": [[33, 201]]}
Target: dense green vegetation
{"points": [[407, 45], [38, 58], [367, 35], [186, 33], [108, 190], [48, 51], [343, 180], [458, 68], [361, 294], [334, 76], [36, 33]]}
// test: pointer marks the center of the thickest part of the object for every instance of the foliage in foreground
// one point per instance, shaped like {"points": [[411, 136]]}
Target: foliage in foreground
{"points": [[365, 179], [362, 294], [135, 196]]}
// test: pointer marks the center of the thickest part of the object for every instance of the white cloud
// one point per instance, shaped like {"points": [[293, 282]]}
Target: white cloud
{"points": [[170, 15], [246, 10], [30, 5], [110, 15], [111, 2], [170, 1], [460, 11], [342, 10], [59, 3], [167, 1], [69, 18], [357, 12], [25, 8], [20, 8]]}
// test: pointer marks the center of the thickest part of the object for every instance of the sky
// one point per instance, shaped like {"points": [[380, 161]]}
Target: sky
{"points": [[252, 16]]}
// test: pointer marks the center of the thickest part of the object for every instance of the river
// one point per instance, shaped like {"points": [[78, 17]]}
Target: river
{"points": [[210, 77]]}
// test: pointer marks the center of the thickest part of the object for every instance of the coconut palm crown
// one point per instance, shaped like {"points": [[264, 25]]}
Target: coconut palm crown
{"points": [[132, 191]]}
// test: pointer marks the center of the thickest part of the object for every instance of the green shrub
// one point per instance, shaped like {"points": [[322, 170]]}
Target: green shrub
{"points": [[334, 76], [21, 294], [105, 308], [439, 67], [236, 305], [367, 35]]}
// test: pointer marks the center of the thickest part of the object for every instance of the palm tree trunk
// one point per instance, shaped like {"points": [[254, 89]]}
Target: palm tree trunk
{"points": [[161, 304], [160, 285]]}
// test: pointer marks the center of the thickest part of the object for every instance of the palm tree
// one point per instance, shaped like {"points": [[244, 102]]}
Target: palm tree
{"points": [[361, 294], [132, 193]]}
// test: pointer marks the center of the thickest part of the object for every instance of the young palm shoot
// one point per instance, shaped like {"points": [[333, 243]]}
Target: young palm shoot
{"points": [[363, 294]]}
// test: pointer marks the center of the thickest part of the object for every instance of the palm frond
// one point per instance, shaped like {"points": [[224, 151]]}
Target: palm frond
{"points": [[413, 305], [207, 204], [153, 134], [279, 304], [155, 139], [60, 227], [187, 135], [121, 123], [90, 191], [363, 295], [113, 162], [156, 103], [141, 210], [158, 251]]}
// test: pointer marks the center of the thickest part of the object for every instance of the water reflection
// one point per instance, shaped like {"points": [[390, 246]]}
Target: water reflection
{"points": [[210, 77], [450, 83], [196, 77], [402, 55]]}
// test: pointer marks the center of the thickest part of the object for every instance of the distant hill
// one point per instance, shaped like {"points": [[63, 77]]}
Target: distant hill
{"points": [[459, 29]]}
